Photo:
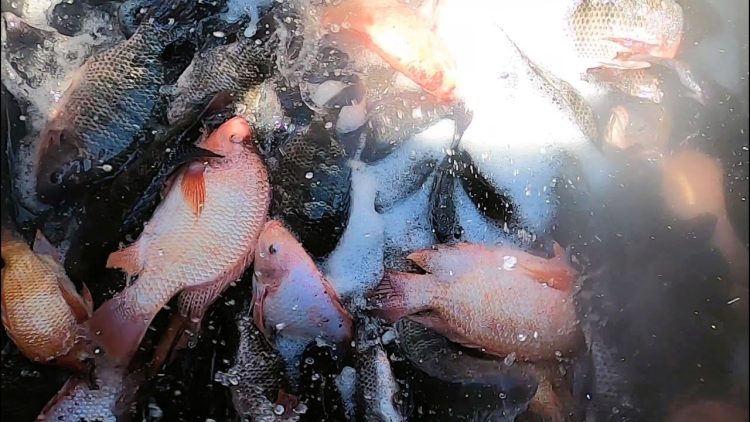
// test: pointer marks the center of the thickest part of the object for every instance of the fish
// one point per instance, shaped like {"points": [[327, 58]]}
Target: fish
{"points": [[256, 379], [443, 218], [108, 399], [202, 235], [642, 126], [378, 396], [645, 83], [693, 185], [112, 99], [447, 362], [609, 33], [291, 298], [402, 38], [42, 311], [312, 183], [706, 409], [509, 301], [235, 68]]}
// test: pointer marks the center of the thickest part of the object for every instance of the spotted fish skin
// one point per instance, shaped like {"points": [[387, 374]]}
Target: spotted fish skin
{"points": [[112, 99], [607, 32]]}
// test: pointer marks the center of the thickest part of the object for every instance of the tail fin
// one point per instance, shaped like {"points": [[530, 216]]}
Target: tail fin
{"points": [[118, 331], [401, 294]]}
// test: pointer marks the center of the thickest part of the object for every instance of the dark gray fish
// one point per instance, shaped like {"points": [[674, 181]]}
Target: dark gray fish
{"points": [[236, 68], [443, 218], [311, 180], [256, 380], [491, 201], [378, 396], [396, 117], [113, 99]]}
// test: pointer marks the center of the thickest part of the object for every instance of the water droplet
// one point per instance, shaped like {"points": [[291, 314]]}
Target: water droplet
{"points": [[278, 409], [328, 125], [106, 168], [509, 262], [309, 360], [309, 175], [510, 359], [280, 326], [522, 337], [315, 376], [335, 28]]}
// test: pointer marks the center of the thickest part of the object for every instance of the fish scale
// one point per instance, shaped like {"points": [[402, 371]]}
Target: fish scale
{"points": [[184, 247]]}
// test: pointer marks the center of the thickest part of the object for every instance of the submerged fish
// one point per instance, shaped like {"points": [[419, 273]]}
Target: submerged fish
{"points": [[443, 218], [434, 355], [41, 310], [291, 297], [257, 381], [403, 38], [501, 300], [113, 98], [202, 234], [311, 179], [378, 396], [643, 126], [608, 33]]}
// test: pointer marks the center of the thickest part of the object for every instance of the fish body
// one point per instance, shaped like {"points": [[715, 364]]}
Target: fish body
{"points": [[290, 295], [256, 380], [234, 68], [403, 38], [41, 310], [608, 32], [111, 100], [378, 395], [501, 300], [640, 83], [312, 180], [638, 125], [203, 232]]}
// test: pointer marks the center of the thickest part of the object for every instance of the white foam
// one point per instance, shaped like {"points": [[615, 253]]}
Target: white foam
{"points": [[291, 351], [325, 91], [476, 228], [356, 264], [351, 117], [346, 383], [407, 225]]}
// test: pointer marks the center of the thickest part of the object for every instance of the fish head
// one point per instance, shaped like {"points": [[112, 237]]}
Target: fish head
{"points": [[276, 254], [639, 124], [229, 139], [61, 168]]}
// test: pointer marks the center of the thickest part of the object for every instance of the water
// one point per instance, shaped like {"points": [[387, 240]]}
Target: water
{"points": [[658, 234]]}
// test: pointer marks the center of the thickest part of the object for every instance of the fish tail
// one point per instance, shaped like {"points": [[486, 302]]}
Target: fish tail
{"points": [[401, 294], [117, 329]]}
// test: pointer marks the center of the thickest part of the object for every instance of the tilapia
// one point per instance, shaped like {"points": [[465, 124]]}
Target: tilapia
{"points": [[610, 32], [501, 300], [234, 68], [256, 380], [311, 179], [202, 235], [112, 99], [41, 310], [378, 396], [403, 38], [692, 185], [447, 362], [640, 83], [291, 298], [107, 400], [642, 126], [443, 218]]}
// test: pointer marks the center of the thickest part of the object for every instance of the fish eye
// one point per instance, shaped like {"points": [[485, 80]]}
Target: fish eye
{"points": [[272, 249]]}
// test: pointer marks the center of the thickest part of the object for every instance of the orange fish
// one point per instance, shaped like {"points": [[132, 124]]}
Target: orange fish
{"points": [[693, 185], [290, 295], [501, 300], [202, 234], [403, 38], [41, 309]]}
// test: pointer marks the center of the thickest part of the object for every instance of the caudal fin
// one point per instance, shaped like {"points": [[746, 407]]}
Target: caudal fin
{"points": [[401, 294], [117, 332]]}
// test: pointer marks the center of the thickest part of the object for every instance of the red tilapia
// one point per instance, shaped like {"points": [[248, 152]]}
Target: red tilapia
{"points": [[290, 295], [502, 300], [202, 234], [41, 309], [403, 38]]}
